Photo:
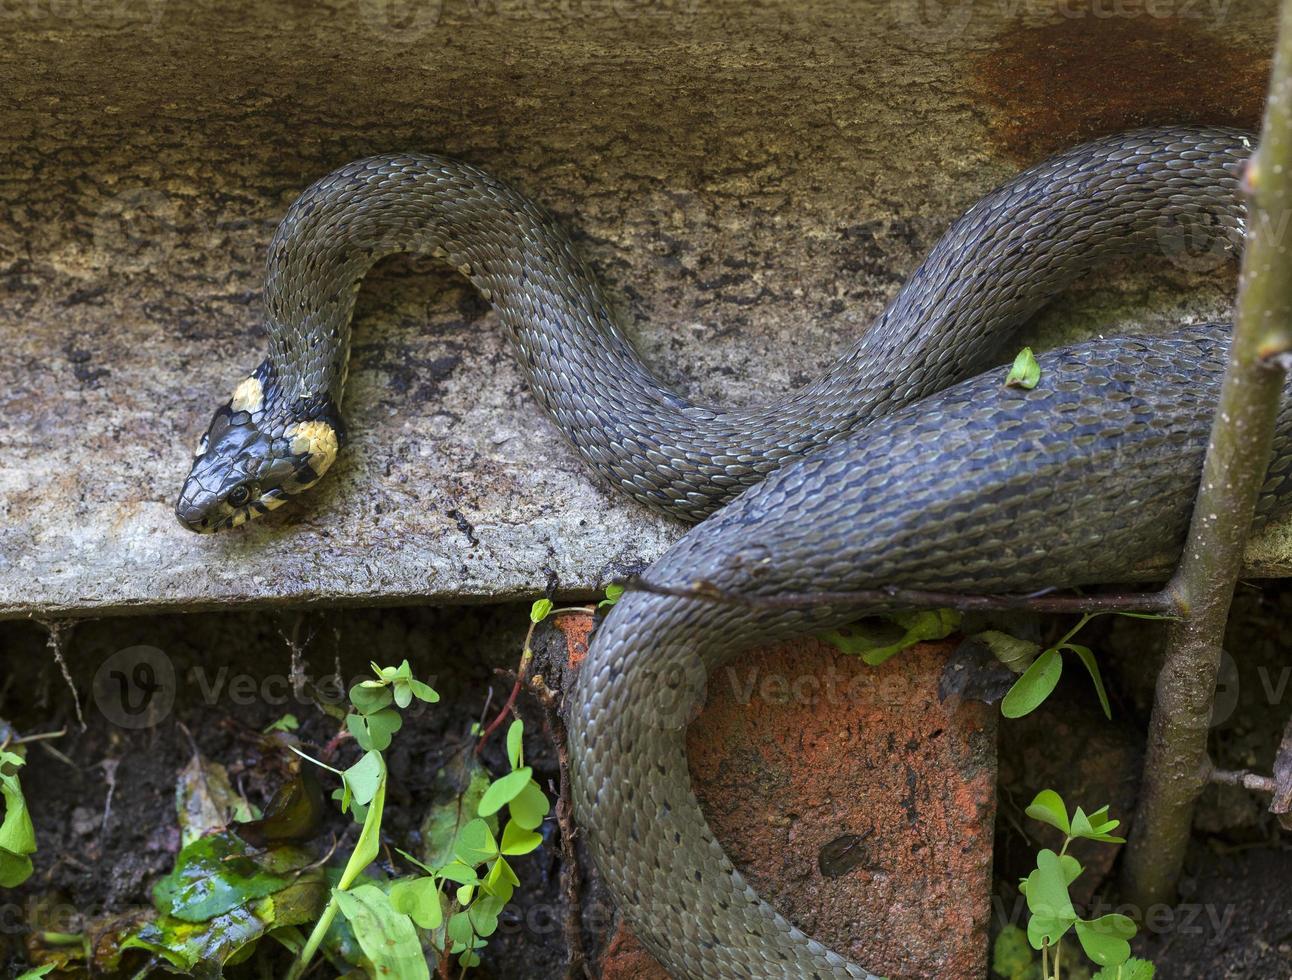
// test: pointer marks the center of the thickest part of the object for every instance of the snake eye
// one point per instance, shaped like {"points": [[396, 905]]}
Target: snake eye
{"points": [[239, 495]]}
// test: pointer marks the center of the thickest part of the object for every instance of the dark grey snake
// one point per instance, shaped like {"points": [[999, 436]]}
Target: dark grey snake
{"points": [[896, 478]]}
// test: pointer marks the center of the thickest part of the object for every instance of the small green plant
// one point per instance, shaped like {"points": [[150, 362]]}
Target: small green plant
{"points": [[1041, 677], [1105, 940], [362, 794], [876, 643], [17, 835], [457, 899]]}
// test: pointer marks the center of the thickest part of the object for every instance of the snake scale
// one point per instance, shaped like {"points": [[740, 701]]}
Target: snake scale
{"points": [[889, 469]]}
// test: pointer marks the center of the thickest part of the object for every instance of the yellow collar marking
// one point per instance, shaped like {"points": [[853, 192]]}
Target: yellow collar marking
{"points": [[249, 396]]}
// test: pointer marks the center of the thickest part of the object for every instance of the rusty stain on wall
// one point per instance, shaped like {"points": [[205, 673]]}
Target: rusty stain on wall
{"points": [[1098, 67]]}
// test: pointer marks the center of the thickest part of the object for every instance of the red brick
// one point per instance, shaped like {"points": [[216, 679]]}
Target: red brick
{"points": [[801, 749]]}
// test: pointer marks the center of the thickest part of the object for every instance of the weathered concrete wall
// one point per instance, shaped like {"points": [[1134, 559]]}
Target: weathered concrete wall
{"points": [[754, 180]]}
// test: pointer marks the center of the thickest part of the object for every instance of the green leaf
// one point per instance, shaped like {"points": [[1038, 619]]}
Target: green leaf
{"points": [[876, 644], [458, 789], [202, 949], [529, 807], [541, 609], [419, 899], [1087, 657], [459, 930], [1009, 650], [1025, 371], [14, 869], [405, 686], [501, 880], [1048, 901], [515, 737], [17, 833], [38, 972], [369, 842], [287, 723], [459, 873], [1034, 686], [476, 843], [1011, 953], [295, 813], [387, 937], [370, 696], [1095, 826], [1130, 970], [1048, 808], [375, 730], [516, 840], [363, 778], [1105, 939], [614, 593], [423, 692], [1071, 868], [484, 913], [221, 872], [502, 791]]}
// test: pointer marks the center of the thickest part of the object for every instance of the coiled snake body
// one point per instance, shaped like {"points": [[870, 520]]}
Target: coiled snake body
{"points": [[894, 478]]}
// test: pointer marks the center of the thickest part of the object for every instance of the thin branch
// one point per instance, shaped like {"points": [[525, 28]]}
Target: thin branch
{"points": [[1235, 466], [57, 633], [1163, 602], [1242, 777], [577, 967]]}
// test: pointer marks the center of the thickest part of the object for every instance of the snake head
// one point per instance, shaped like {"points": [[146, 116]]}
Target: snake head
{"points": [[252, 458]]}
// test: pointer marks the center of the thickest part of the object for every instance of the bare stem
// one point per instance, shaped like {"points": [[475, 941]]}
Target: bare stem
{"points": [[1248, 780], [1143, 602], [1175, 768]]}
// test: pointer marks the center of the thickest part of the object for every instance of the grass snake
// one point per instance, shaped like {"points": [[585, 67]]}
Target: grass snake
{"points": [[903, 472]]}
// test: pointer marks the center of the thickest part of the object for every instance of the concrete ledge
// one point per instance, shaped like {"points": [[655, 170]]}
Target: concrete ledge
{"points": [[754, 181]]}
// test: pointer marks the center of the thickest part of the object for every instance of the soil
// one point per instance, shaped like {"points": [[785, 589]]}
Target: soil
{"points": [[105, 810], [105, 817]]}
